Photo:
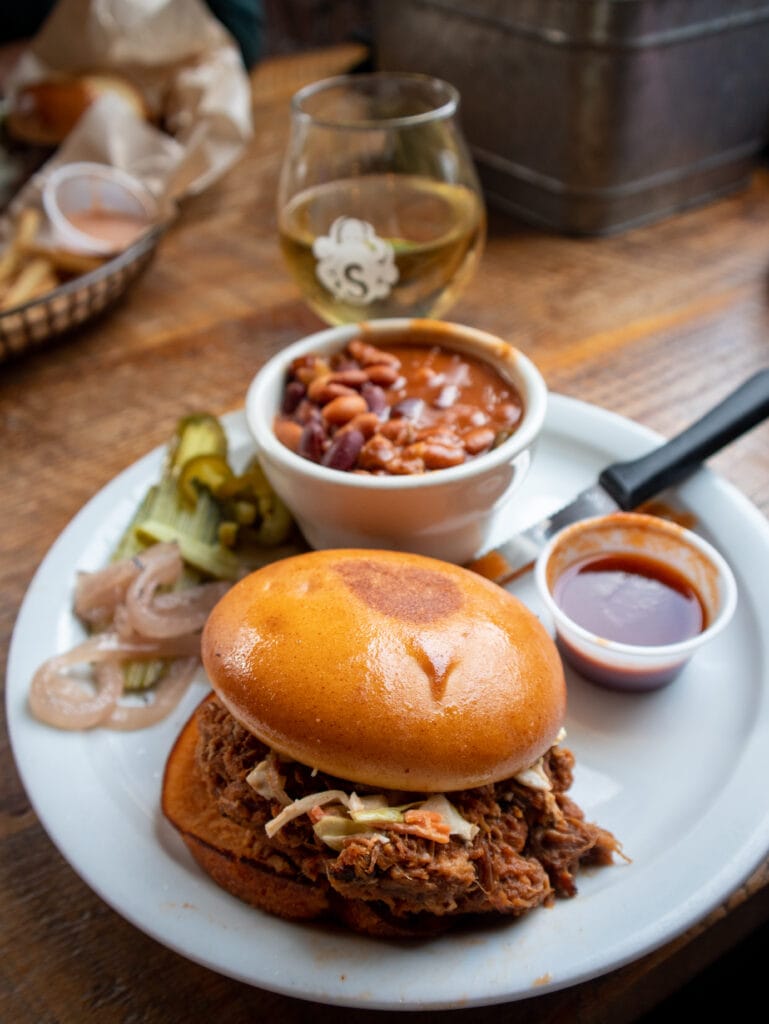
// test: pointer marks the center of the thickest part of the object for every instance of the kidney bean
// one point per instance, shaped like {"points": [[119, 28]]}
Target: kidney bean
{"points": [[341, 362], [289, 433], [479, 440], [375, 397], [343, 451], [376, 453], [340, 410], [293, 393], [366, 422], [313, 441], [400, 431], [306, 368], [402, 465], [435, 454], [383, 374], [446, 433], [322, 390], [351, 377], [368, 355], [307, 412]]}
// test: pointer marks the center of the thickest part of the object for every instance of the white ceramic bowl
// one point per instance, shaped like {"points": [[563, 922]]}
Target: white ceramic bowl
{"points": [[446, 513], [84, 187], [626, 666]]}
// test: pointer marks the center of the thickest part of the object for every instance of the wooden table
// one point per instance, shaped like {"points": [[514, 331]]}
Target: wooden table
{"points": [[655, 324]]}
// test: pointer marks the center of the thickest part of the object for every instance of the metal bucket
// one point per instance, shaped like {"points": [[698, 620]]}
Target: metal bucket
{"points": [[589, 116]]}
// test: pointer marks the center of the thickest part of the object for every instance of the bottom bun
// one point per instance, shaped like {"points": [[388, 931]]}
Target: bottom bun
{"points": [[222, 848], [225, 852]]}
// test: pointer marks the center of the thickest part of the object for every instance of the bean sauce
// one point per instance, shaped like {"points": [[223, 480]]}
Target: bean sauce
{"points": [[410, 410]]}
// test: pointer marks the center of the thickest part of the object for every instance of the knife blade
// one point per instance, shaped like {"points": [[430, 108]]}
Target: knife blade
{"points": [[623, 486]]}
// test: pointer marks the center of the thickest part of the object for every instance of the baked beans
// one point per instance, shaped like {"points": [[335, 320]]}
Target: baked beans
{"points": [[411, 410]]}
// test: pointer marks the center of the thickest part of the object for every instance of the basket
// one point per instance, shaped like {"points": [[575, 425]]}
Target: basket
{"points": [[76, 302]]}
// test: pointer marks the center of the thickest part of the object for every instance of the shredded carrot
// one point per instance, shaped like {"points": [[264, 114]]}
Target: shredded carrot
{"points": [[425, 824]]}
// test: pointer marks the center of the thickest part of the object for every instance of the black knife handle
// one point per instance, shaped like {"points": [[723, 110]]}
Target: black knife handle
{"points": [[631, 483]]}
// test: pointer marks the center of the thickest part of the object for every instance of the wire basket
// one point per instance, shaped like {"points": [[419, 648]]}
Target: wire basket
{"points": [[74, 303]]}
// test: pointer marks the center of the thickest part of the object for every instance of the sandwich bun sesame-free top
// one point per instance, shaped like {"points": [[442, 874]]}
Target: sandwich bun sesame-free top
{"points": [[387, 668]]}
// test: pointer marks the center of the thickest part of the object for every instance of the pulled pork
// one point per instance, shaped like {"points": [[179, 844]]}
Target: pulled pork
{"points": [[527, 850]]}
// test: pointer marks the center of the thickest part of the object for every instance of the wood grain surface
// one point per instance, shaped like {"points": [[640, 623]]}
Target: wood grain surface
{"points": [[655, 324]]}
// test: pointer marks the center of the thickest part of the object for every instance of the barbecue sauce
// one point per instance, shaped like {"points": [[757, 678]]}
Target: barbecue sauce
{"points": [[632, 599]]}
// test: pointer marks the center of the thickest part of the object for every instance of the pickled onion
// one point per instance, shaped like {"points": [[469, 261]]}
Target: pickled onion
{"points": [[137, 623], [171, 614], [66, 701], [165, 696]]}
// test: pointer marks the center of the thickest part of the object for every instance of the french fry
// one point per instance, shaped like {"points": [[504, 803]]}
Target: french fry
{"points": [[8, 263], [45, 284], [63, 261], [29, 269], [27, 226], [34, 276], [25, 230]]}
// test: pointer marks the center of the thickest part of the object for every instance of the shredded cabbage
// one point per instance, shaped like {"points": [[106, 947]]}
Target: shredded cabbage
{"points": [[534, 777], [363, 803], [333, 829], [380, 812], [302, 806], [266, 780], [365, 814]]}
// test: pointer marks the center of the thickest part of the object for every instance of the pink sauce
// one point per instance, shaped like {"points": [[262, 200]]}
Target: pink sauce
{"points": [[118, 229]]}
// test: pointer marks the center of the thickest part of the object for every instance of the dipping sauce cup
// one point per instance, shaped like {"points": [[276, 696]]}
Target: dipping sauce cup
{"points": [[446, 512], [96, 208], [633, 597]]}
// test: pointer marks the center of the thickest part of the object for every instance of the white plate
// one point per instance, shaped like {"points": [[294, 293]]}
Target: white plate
{"points": [[678, 775]]}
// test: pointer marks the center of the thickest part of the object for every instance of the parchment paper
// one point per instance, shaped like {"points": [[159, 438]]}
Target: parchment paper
{"points": [[189, 70]]}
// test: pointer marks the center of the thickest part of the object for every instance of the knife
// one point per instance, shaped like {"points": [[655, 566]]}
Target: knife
{"points": [[623, 486]]}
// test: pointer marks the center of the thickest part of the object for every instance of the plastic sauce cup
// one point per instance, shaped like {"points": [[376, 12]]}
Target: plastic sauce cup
{"points": [[664, 549], [97, 209]]}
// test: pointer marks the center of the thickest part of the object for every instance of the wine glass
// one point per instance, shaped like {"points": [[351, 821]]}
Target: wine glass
{"points": [[379, 208]]}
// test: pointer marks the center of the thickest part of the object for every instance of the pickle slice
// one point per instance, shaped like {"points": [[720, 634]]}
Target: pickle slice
{"points": [[210, 471], [197, 434]]}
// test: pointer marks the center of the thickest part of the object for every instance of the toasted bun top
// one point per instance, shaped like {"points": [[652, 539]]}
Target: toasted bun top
{"points": [[43, 113], [385, 668]]}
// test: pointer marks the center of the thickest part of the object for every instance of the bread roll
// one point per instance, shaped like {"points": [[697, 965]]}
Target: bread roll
{"points": [[388, 669], [43, 113]]}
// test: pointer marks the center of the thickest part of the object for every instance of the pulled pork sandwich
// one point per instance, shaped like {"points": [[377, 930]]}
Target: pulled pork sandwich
{"points": [[381, 746]]}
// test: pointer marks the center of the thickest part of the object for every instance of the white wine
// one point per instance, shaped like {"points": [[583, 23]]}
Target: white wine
{"points": [[382, 245]]}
